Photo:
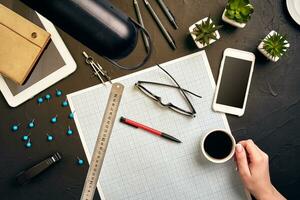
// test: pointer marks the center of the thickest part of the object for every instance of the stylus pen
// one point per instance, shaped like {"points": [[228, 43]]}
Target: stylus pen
{"points": [[162, 28], [168, 13], [148, 129], [140, 20]]}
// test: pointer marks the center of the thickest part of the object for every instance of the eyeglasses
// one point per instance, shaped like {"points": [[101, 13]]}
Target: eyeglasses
{"points": [[191, 112]]}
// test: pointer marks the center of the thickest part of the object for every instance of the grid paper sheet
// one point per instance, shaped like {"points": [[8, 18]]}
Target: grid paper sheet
{"points": [[139, 165]]}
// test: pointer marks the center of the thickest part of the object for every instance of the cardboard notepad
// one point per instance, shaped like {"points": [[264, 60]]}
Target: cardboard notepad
{"points": [[22, 42]]}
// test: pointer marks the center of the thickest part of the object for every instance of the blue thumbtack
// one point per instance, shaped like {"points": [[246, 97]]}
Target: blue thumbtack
{"points": [[80, 161], [28, 144], [69, 131], [15, 127], [54, 119], [48, 96], [64, 103], [71, 115], [50, 138], [31, 124], [40, 100], [58, 93], [25, 137]]}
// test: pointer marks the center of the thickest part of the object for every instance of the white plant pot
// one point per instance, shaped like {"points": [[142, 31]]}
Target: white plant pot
{"points": [[232, 22], [199, 45], [264, 52]]}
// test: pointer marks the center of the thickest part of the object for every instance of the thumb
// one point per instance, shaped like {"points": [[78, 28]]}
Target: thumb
{"points": [[242, 162]]}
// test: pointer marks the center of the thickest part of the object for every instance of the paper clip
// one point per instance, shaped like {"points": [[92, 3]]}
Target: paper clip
{"points": [[98, 70]]}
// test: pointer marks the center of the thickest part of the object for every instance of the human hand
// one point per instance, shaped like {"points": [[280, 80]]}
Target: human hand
{"points": [[253, 167]]}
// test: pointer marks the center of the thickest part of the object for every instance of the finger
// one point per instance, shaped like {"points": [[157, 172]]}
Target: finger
{"points": [[259, 149], [263, 154], [250, 142], [252, 150], [242, 162]]}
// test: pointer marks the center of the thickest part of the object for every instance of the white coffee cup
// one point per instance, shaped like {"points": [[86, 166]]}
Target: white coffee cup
{"points": [[215, 132]]}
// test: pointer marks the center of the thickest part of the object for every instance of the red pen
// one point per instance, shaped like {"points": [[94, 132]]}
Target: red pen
{"points": [[148, 129]]}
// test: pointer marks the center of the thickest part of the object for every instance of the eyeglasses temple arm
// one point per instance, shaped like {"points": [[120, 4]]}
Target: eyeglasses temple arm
{"points": [[172, 86]]}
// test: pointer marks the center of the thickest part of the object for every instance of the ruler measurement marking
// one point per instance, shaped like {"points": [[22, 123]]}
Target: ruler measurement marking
{"points": [[102, 141]]}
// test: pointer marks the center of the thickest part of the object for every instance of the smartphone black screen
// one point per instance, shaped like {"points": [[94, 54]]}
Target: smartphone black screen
{"points": [[234, 81]]}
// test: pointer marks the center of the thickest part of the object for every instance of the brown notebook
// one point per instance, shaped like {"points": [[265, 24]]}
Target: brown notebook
{"points": [[21, 44]]}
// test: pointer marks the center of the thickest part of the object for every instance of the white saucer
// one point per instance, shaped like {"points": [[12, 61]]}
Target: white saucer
{"points": [[293, 7]]}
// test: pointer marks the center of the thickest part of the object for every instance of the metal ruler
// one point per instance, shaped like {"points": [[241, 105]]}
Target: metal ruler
{"points": [[102, 141]]}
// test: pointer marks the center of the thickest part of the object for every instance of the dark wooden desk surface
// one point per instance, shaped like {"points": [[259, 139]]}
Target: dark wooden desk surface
{"points": [[271, 121]]}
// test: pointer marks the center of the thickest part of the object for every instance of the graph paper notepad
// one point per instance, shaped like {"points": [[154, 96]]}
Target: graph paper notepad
{"points": [[139, 165]]}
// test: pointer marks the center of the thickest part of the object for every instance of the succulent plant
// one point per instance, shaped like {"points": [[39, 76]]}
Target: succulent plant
{"points": [[205, 31], [239, 10], [275, 45]]}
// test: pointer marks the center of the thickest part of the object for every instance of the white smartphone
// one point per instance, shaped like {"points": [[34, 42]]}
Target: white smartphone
{"points": [[234, 81]]}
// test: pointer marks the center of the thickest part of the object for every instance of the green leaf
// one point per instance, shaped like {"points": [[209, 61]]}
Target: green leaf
{"points": [[230, 12], [199, 37], [247, 10], [198, 26], [238, 16], [214, 37], [234, 4], [239, 3], [206, 40], [243, 3]]}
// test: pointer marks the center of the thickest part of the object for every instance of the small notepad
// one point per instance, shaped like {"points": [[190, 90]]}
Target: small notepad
{"points": [[139, 165], [22, 42]]}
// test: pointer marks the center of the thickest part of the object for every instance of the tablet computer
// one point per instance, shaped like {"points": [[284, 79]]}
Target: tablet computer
{"points": [[54, 64]]}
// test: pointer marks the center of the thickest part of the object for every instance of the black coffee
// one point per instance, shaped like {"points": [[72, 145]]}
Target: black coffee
{"points": [[218, 145]]}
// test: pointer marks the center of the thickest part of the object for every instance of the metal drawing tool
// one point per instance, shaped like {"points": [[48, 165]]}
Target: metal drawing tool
{"points": [[98, 70], [102, 141]]}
